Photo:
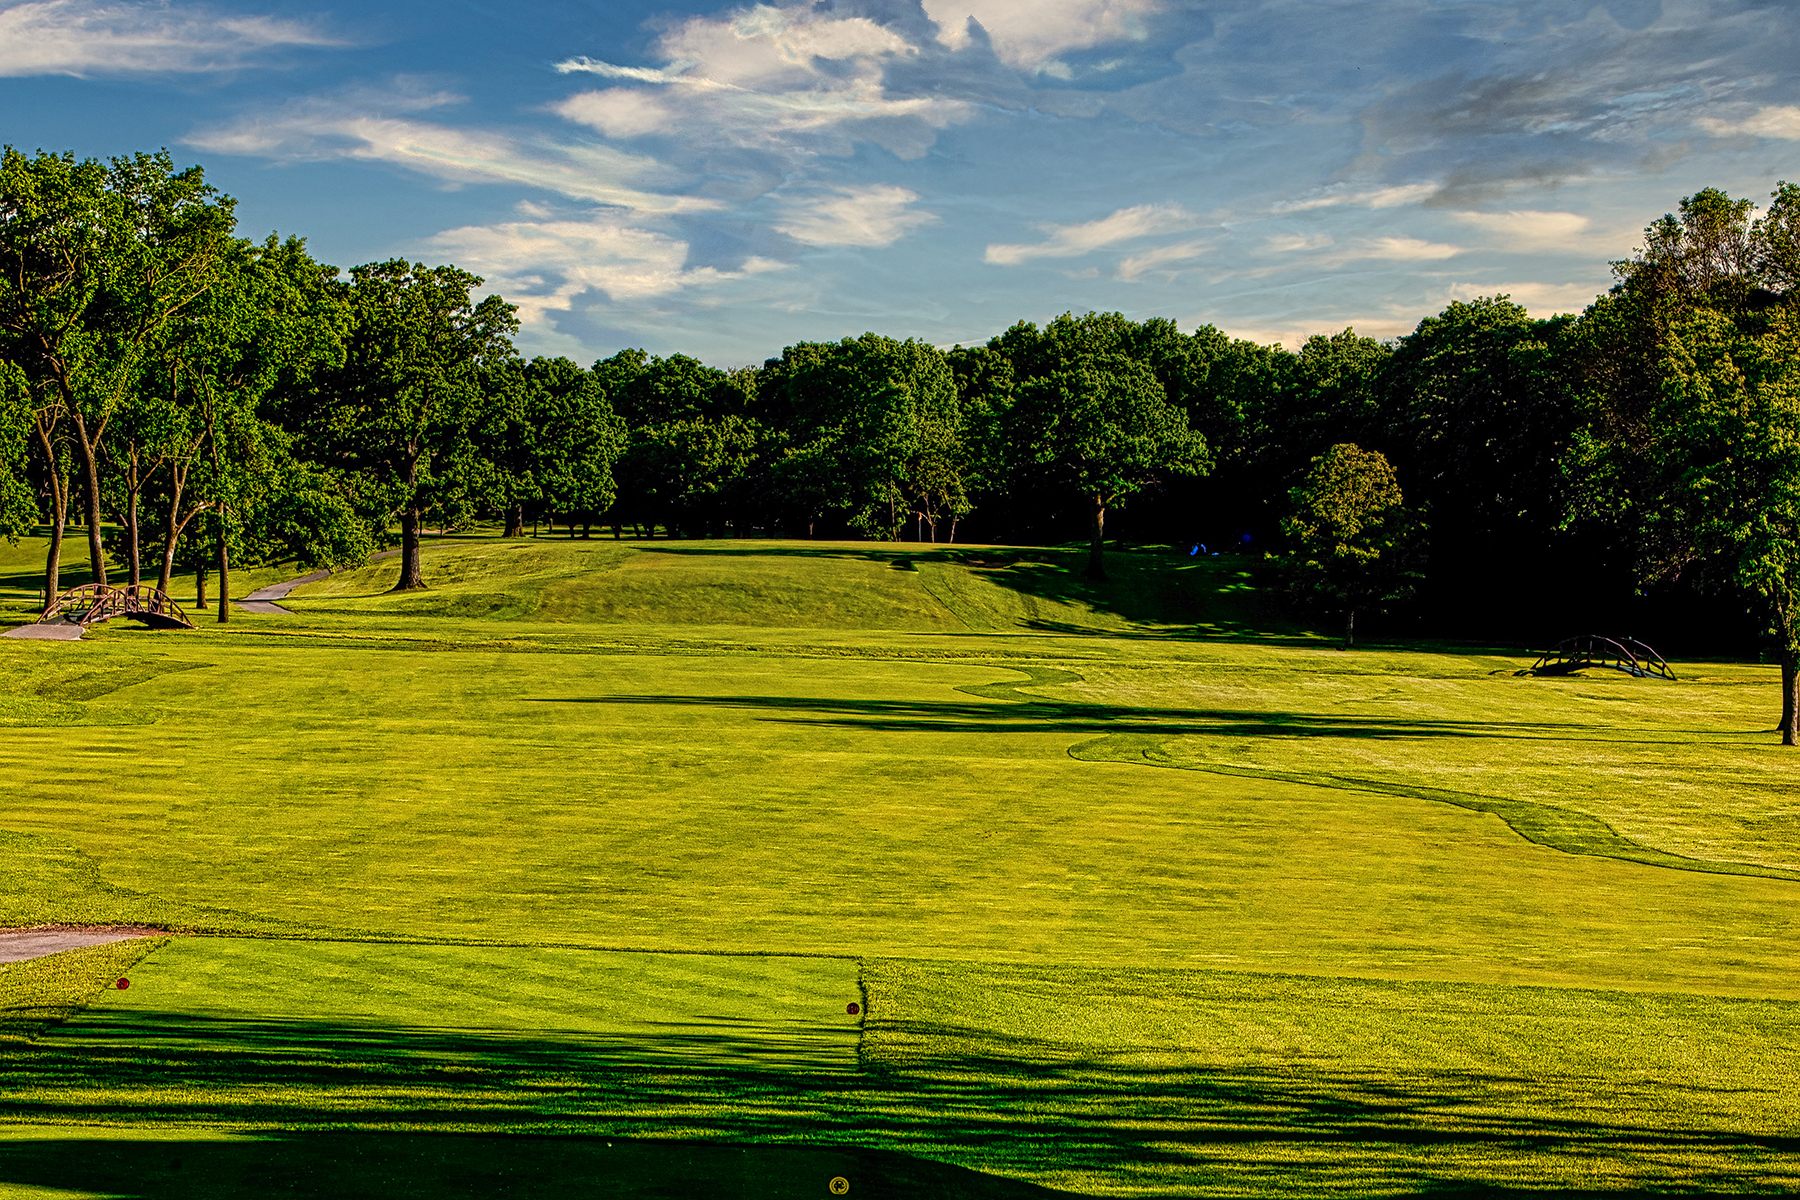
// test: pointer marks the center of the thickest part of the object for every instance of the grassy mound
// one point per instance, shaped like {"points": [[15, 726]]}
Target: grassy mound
{"points": [[803, 585]]}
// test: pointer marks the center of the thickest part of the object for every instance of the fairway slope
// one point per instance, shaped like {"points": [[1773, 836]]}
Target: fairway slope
{"points": [[816, 585], [600, 841]]}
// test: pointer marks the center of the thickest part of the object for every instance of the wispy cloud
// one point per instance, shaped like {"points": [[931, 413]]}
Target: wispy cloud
{"points": [[1339, 195], [1771, 121], [1027, 33], [1401, 249], [1072, 241], [872, 215], [381, 126], [1161, 259], [543, 265], [85, 37], [1288, 243], [1528, 229], [608, 70], [791, 83]]}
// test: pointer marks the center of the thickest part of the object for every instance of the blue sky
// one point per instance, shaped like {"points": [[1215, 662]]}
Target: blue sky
{"points": [[725, 180]]}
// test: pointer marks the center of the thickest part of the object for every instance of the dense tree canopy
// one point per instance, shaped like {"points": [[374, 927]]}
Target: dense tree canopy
{"points": [[215, 400]]}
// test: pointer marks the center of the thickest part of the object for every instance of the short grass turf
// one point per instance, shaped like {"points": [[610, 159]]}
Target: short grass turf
{"points": [[1101, 1082], [973, 803]]}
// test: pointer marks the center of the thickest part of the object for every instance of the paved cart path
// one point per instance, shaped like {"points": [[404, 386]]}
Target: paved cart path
{"points": [[262, 600], [17, 945]]}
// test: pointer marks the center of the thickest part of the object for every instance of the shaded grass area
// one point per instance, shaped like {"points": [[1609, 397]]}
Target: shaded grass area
{"points": [[1104, 1082], [39, 993], [430, 1166]]}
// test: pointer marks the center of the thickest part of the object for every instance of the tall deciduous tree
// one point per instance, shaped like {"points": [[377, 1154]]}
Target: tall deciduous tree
{"points": [[1095, 418], [401, 407], [1693, 443], [1354, 542], [95, 263]]}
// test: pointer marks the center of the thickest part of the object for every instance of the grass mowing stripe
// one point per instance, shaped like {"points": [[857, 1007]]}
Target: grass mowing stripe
{"points": [[1544, 824], [730, 1008], [1558, 828]]}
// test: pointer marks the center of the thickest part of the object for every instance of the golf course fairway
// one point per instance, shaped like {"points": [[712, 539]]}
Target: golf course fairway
{"points": [[565, 875]]}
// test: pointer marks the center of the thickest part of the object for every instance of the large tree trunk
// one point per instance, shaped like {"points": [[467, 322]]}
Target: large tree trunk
{"points": [[1790, 700], [224, 574], [515, 521], [1787, 698], [171, 533], [1096, 562], [90, 472], [200, 586], [59, 517], [1349, 628], [411, 577], [132, 486]]}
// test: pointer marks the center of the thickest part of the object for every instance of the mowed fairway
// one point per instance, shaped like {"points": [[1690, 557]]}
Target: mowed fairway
{"points": [[1139, 897]]}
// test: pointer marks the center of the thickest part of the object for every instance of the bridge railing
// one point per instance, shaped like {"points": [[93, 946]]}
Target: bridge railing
{"points": [[91, 603], [1622, 654]]}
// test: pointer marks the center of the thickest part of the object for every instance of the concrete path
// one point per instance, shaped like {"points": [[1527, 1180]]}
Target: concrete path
{"points": [[262, 600], [17, 945], [58, 630]]}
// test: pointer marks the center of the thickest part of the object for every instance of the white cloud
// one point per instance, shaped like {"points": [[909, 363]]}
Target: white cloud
{"points": [[543, 265], [364, 125], [85, 37], [1162, 257], [871, 215], [1529, 229], [1287, 243], [1402, 249], [1072, 241], [791, 81], [642, 74], [618, 112], [1028, 33], [1771, 121], [1538, 299], [1338, 195]]}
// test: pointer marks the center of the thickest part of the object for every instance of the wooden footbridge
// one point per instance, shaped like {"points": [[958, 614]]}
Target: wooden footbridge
{"points": [[1591, 650], [92, 603]]}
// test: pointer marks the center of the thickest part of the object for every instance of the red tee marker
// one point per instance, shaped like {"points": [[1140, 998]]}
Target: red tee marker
{"points": [[123, 984], [853, 1009]]}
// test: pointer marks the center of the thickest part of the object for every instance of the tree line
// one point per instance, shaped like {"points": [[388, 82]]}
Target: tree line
{"points": [[225, 401]]}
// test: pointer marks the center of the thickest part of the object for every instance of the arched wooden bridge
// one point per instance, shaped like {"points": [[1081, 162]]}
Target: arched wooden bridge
{"points": [[1591, 650], [92, 603]]}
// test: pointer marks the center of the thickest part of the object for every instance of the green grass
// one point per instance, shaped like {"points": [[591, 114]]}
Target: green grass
{"points": [[1145, 894]]}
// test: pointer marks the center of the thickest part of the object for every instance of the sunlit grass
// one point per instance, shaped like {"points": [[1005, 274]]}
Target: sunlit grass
{"points": [[1134, 911]]}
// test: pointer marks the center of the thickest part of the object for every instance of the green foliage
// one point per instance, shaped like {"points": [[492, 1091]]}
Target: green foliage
{"points": [[18, 507], [1356, 546], [1093, 416], [872, 428]]}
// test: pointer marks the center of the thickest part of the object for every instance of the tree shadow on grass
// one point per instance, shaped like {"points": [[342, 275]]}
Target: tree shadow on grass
{"points": [[354, 1110], [351, 1165], [1146, 588]]}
